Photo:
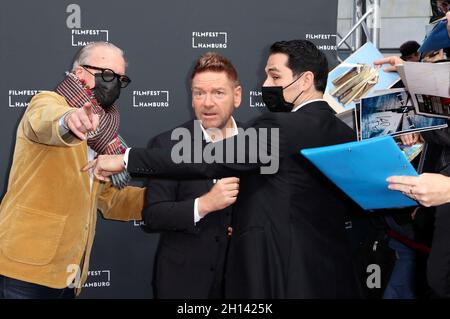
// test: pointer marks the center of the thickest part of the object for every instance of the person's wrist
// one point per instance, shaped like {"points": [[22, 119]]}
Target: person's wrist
{"points": [[65, 125], [448, 190], [66, 119], [203, 205], [64, 122], [122, 160]]}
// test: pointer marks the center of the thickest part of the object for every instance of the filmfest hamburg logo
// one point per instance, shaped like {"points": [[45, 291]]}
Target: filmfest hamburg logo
{"points": [[256, 99], [323, 41], [209, 40], [151, 99], [21, 97], [138, 223], [98, 279], [80, 36]]}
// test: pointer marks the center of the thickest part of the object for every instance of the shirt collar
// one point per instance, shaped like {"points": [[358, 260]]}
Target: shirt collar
{"points": [[304, 103], [208, 138]]}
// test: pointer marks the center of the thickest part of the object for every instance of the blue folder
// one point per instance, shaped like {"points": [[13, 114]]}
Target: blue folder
{"points": [[360, 169]]}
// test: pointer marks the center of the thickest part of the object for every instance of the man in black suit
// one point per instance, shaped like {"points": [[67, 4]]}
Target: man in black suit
{"points": [[288, 227], [193, 216]]}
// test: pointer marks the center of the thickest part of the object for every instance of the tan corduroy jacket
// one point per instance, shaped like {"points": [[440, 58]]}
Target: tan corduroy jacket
{"points": [[48, 215]]}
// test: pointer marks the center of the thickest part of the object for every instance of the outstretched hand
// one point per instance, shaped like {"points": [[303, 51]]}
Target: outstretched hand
{"points": [[393, 61], [105, 166], [82, 120]]}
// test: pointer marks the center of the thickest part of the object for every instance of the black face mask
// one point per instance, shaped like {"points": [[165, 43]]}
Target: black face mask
{"points": [[106, 93], [274, 99]]}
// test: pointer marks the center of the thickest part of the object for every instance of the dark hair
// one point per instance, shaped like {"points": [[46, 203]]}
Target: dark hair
{"points": [[409, 48], [215, 62], [304, 56], [447, 52]]}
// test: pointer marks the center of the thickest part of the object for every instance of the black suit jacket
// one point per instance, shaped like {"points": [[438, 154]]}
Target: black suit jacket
{"points": [[289, 238], [190, 257]]}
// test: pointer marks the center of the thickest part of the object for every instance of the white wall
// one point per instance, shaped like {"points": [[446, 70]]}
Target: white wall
{"points": [[401, 20]]}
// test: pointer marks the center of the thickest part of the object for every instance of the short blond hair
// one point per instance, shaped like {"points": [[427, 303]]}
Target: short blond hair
{"points": [[215, 62]]}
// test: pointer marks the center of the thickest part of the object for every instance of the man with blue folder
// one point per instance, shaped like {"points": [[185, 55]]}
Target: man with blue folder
{"points": [[288, 237]]}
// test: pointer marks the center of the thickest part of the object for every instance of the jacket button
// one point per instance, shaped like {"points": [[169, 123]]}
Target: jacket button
{"points": [[217, 238]]}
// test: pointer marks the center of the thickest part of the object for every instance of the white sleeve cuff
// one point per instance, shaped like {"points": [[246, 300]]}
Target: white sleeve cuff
{"points": [[63, 130], [197, 216], [125, 157]]}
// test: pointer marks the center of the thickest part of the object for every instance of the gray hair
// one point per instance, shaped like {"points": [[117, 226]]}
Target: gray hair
{"points": [[84, 54]]}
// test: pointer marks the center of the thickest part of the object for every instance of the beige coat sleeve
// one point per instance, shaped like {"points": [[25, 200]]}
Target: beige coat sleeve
{"points": [[41, 121], [124, 204]]}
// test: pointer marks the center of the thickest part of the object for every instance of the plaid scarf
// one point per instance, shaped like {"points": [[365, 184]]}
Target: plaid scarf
{"points": [[106, 139]]}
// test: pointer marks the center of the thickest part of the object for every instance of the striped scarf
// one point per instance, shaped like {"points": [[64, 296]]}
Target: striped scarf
{"points": [[106, 139]]}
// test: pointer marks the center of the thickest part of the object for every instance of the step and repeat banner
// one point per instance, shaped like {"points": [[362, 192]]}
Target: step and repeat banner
{"points": [[161, 41]]}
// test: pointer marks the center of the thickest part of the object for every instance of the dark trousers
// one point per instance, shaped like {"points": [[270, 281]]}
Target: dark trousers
{"points": [[438, 272], [11, 288]]}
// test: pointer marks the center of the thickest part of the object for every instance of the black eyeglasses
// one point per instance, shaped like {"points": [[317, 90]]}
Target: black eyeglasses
{"points": [[108, 75]]}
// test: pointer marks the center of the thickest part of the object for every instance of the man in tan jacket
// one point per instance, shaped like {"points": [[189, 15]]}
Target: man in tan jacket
{"points": [[48, 215]]}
